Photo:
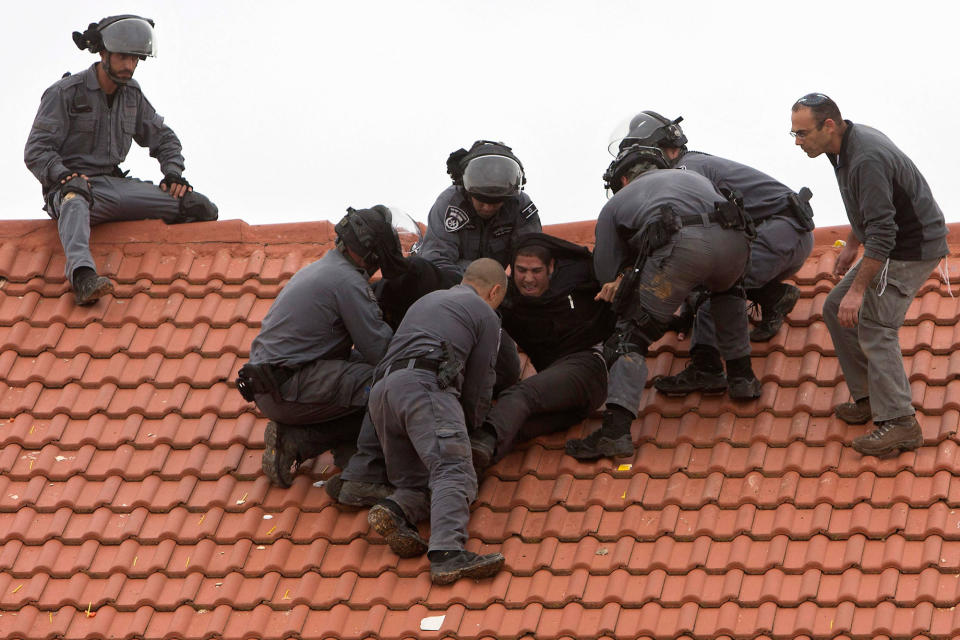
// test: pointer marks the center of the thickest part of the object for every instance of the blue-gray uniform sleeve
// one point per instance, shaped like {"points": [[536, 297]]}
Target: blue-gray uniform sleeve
{"points": [[873, 191], [441, 247], [609, 250], [479, 371], [47, 134], [363, 320], [163, 143], [529, 217]]}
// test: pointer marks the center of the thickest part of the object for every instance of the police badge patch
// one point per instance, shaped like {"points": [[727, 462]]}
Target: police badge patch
{"points": [[455, 219], [529, 211]]}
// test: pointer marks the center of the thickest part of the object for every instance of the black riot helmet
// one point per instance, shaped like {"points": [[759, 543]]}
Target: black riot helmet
{"points": [[650, 129], [492, 177], [629, 158], [126, 33], [370, 234], [495, 172]]}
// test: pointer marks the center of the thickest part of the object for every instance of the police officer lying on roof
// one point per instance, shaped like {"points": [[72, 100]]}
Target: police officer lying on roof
{"points": [[82, 133], [662, 234], [312, 363], [434, 385], [482, 212], [551, 311], [784, 225]]}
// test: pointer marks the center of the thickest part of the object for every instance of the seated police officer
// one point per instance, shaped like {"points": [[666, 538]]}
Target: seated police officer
{"points": [[663, 233], [433, 386], [82, 132], [312, 363], [784, 224], [552, 313], [481, 213]]}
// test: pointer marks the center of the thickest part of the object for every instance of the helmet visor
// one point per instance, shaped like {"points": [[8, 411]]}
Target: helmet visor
{"points": [[132, 36], [408, 231], [493, 177]]}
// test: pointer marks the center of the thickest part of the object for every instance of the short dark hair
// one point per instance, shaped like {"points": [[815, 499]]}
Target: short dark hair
{"points": [[537, 251], [822, 107]]}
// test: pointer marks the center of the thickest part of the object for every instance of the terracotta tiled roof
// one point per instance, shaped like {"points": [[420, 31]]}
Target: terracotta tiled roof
{"points": [[132, 502]]}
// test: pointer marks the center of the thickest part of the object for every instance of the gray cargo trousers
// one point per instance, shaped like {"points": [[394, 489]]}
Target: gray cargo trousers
{"points": [[115, 199], [869, 353], [426, 449], [708, 256], [319, 391], [778, 252]]}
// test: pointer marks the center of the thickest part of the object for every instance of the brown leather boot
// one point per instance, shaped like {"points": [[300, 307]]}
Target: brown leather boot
{"points": [[854, 412], [890, 436]]}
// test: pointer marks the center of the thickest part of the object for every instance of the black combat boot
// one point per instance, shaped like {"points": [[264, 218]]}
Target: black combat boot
{"points": [[611, 440], [449, 566], [286, 446], [703, 374], [483, 443], [88, 287], [776, 300], [743, 384], [355, 493], [387, 518]]}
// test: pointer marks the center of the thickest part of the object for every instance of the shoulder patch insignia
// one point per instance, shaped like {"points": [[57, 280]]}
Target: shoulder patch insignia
{"points": [[455, 219], [529, 211]]}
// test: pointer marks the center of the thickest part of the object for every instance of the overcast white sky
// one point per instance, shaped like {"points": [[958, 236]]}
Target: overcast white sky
{"points": [[291, 111]]}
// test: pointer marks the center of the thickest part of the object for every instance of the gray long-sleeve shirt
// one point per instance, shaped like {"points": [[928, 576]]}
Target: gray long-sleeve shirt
{"points": [[76, 130], [889, 203], [633, 207], [456, 235], [325, 309], [763, 196], [460, 317]]}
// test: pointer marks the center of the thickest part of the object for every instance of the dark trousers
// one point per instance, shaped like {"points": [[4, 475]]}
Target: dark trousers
{"points": [[553, 400]]}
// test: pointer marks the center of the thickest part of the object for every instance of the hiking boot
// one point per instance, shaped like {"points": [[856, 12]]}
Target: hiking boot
{"points": [[901, 434], [450, 566], [597, 445], [355, 493], [90, 287], [288, 445], [854, 412], [744, 388], [387, 518], [483, 443], [774, 311], [690, 380]]}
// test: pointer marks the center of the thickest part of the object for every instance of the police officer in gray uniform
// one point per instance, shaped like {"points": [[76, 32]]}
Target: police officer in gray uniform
{"points": [[312, 363], [81, 134], [482, 213], [784, 225], [663, 233], [896, 219], [434, 385]]}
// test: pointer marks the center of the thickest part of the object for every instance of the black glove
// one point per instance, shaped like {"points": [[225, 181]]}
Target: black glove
{"points": [[77, 185], [174, 178]]}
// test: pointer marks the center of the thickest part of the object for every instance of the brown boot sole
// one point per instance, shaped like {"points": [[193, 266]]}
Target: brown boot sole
{"points": [[404, 543], [271, 458], [485, 569]]}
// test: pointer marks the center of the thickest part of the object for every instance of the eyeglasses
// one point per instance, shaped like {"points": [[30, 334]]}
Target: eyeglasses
{"points": [[803, 133], [813, 100]]}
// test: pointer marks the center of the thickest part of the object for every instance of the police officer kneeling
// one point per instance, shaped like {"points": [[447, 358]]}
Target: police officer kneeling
{"points": [[312, 363], [433, 385], [663, 233]]}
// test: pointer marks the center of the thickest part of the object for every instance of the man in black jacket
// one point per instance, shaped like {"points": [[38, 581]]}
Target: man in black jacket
{"points": [[551, 312]]}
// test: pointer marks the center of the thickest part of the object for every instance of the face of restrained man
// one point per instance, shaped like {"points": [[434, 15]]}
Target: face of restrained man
{"points": [[531, 275]]}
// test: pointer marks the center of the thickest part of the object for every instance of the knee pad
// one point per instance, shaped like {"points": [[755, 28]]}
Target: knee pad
{"points": [[633, 335], [196, 207]]}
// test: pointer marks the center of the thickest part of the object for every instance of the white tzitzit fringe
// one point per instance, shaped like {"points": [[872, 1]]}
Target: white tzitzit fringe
{"points": [[944, 269]]}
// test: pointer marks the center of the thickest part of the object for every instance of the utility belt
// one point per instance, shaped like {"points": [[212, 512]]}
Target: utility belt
{"points": [[801, 209], [423, 364], [253, 379]]}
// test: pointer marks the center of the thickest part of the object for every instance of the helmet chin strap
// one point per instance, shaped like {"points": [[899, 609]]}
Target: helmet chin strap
{"points": [[109, 71]]}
